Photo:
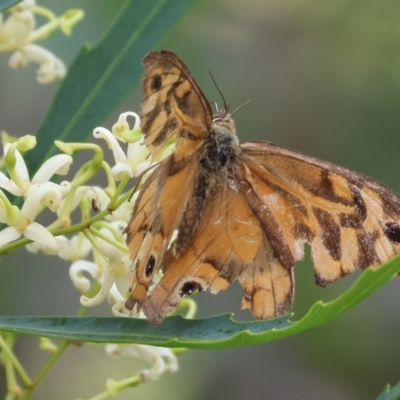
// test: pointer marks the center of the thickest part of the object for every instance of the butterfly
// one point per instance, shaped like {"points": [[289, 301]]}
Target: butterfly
{"points": [[241, 211]]}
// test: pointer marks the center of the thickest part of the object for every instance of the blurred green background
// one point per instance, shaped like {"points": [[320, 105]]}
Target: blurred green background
{"points": [[323, 78]]}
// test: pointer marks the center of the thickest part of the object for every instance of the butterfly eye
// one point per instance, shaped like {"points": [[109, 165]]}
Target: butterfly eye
{"points": [[156, 82], [150, 266], [189, 287], [393, 231]]}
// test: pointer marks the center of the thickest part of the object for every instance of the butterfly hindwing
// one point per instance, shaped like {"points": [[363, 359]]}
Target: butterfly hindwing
{"points": [[228, 244], [349, 220], [268, 287]]}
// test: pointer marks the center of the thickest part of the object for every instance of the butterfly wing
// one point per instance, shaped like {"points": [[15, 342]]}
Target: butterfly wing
{"points": [[349, 220], [172, 106], [157, 211], [228, 244]]}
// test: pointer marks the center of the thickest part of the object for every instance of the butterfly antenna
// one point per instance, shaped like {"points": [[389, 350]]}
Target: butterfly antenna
{"points": [[226, 105], [215, 105], [242, 105]]}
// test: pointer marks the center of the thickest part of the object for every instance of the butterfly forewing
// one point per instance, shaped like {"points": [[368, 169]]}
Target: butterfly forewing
{"points": [[172, 106]]}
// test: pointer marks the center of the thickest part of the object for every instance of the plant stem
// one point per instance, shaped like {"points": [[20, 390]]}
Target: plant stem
{"points": [[44, 370], [27, 392], [8, 353], [8, 248]]}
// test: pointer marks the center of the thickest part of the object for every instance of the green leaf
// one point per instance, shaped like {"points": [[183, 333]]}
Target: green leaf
{"points": [[102, 76], [217, 332], [390, 394], [4, 4]]}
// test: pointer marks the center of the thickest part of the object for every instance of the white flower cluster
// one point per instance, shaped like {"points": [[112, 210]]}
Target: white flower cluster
{"points": [[38, 193], [94, 244], [160, 358], [18, 33]]}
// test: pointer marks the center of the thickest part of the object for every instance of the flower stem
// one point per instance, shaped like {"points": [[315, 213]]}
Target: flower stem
{"points": [[118, 245], [45, 12], [8, 248], [8, 353], [44, 370], [101, 396], [114, 387], [27, 392], [116, 197]]}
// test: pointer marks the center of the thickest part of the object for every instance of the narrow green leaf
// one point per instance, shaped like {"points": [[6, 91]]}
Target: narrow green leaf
{"points": [[217, 332], [390, 393], [4, 4], [102, 76]]}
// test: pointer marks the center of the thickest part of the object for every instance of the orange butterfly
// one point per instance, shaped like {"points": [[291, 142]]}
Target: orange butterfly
{"points": [[242, 211]]}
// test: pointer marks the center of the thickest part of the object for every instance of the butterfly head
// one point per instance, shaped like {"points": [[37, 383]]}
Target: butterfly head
{"points": [[223, 123]]}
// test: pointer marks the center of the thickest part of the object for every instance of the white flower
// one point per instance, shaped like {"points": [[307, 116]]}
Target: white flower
{"points": [[161, 359], [48, 194], [96, 196], [31, 230], [58, 164], [120, 287], [123, 212], [23, 5], [116, 272], [67, 249], [75, 248], [22, 222], [16, 29], [51, 68], [17, 33], [75, 273], [133, 162]]}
